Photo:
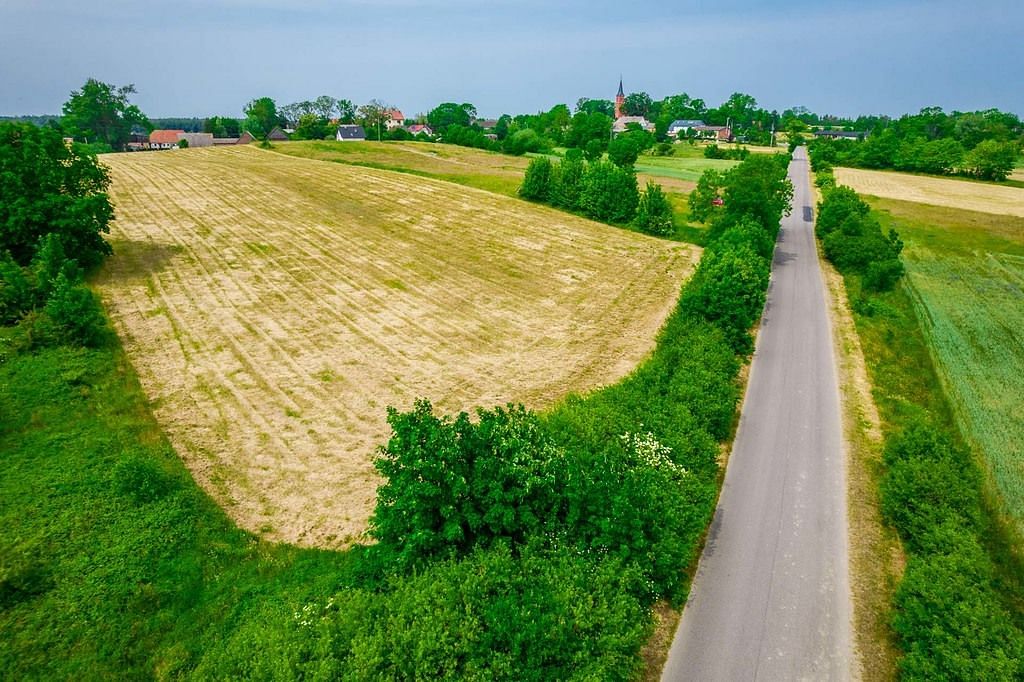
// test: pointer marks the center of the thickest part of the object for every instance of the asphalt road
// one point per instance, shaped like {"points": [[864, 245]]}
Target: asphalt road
{"points": [[771, 599]]}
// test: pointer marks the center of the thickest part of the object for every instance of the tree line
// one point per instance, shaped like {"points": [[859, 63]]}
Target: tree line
{"points": [[981, 144]]}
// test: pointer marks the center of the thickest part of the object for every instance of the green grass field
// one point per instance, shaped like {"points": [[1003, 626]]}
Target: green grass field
{"points": [[113, 563], [966, 275]]}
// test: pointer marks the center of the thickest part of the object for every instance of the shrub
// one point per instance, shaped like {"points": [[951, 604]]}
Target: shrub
{"points": [[594, 150], [141, 480], [825, 180], [745, 233], [758, 187], [77, 314], [839, 204], [16, 292], [949, 620], [623, 151], [728, 289], [709, 187], [523, 141], [537, 181], [991, 160], [654, 212], [609, 193], [570, 182], [883, 275], [450, 484]]}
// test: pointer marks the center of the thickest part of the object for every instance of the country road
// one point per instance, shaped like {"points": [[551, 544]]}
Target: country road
{"points": [[771, 599]]}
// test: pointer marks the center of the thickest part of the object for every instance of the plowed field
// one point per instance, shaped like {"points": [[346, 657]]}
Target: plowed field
{"points": [[275, 306]]}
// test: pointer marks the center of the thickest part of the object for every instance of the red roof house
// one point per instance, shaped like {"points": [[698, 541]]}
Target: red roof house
{"points": [[164, 139]]}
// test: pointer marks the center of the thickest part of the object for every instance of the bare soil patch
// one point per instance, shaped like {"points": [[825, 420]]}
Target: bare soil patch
{"points": [[274, 307]]}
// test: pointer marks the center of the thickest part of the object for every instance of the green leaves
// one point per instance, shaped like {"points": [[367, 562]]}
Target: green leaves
{"points": [[654, 213], [49, 187], [101, 112]]}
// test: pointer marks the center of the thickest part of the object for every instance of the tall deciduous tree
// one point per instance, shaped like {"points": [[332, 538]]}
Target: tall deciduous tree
{"points": [[374, 117], [261, 116], [101, 112], [49, 187], [637, 104]]}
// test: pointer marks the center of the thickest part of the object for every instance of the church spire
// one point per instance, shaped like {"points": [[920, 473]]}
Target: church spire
{"points": [[620, 100]]}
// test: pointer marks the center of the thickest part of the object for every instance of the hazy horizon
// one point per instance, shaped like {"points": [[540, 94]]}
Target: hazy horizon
{"points": [[210, 58]]}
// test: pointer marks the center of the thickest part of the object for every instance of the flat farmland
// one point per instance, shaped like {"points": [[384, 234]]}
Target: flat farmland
{"points": [[947, 192], [274, 307], [966, 275], [471, 167]]}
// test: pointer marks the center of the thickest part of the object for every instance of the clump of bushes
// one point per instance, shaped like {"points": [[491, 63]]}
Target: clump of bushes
{"points": [[600, 190], [61, 208], [713, 151], [948, 616], [852, 239]]}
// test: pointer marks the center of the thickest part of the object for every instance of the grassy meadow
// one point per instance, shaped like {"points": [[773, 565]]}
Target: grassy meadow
{"points": [[502, 174], [966, 275]]}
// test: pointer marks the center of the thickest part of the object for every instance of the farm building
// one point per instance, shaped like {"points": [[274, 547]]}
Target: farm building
{"points": [[420, 128], [350, 133], [223, 141], [246, 138], [716, 133], [197, 139], [164, 139], [393, 118], [277, 135]]}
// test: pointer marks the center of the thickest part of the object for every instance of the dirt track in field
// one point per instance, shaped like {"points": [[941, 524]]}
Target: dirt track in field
{"points": [[274, 307], [948, 192]]}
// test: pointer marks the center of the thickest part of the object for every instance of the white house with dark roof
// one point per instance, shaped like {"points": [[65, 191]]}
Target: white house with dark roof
{"points": [[350, 133], [683, 125]]}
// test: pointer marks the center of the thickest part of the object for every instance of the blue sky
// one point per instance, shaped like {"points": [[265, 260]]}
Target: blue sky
{"points": [[203, 58]]}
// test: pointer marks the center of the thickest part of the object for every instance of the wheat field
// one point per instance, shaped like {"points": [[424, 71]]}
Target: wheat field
{"points": [[274, 307], [948, 192]]}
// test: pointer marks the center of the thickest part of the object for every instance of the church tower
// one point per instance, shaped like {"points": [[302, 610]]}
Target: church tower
{"points": [[620, 99]]}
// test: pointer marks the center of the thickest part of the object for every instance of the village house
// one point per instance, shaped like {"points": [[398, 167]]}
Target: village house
{"points": [[716, 133], [164, 139], [393, 118], [683, 126], [350, 133], [418, 128]]}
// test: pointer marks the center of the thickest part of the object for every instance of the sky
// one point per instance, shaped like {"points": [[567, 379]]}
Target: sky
{"points": [[210, 57]]}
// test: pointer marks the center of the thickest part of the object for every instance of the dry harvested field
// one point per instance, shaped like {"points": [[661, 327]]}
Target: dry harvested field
{"points": [[275, 306], [962, 194]]}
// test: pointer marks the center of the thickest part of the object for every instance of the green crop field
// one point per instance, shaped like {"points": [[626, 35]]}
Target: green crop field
{"points": [[966, 272]]}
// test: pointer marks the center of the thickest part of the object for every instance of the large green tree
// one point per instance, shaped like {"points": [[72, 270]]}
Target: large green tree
{"points": [[100, 112], [261, 116], [450, 113], [49, 187]]}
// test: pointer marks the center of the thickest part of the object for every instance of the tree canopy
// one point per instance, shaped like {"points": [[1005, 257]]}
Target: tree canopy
{"points": [[50, 187], [261, 116], [100, 112]]}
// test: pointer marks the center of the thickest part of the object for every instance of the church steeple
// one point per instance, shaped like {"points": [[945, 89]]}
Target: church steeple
{"points": [[620, 100], [621, 94]]}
